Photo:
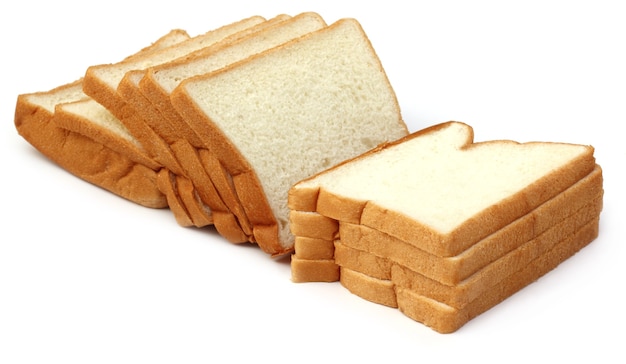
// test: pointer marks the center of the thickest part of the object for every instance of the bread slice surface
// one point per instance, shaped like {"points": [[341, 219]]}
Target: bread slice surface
{"points": [[440, 186], [258, 114], [452, 270], [81, 155]]}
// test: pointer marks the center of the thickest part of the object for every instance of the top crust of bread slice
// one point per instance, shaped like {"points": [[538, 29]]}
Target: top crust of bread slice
{"points": [[289, 112], [439, 190]]}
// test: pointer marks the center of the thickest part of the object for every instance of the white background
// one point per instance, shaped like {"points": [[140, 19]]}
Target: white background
{"points": [[86, 277]]}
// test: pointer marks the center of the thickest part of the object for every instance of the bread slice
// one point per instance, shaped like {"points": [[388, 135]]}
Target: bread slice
{"points": [[444, 318], [447, 319], [448, 192], [158, 82], [315, 235], [371, 252], [313, 270], [453, 270], [151, 102], [257, 114], [89, 118], [140, 113], [101, 81], [80, 155], [460, 294]]}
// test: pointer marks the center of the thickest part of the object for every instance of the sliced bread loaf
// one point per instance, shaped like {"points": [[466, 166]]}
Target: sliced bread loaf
{"points": [[256, 115], [151, 102]]}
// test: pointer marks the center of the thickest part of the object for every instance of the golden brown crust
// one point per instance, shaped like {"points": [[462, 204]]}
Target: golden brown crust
{"points": [[192, 167], [167, 185], [308, 270], [224, 187], [228, 227], [461, 294], [248, 189], [313, 248], [66, 119], [313, 225], [363, 262], [476, 228], [174, 36], [452, 270], [195, 170], [303, 199], [199, 213], [212, 138], [446, 319], [138, 122], [372, 289], [421, 305], [85, 158], [130, 90], [175, 125]]}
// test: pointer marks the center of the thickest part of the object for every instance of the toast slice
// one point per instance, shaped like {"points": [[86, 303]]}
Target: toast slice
{"points": [[441, 200], [279, 92]]}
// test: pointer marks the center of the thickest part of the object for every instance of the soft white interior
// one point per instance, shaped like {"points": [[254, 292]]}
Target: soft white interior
{"points": [[303, 108], [433, 181], [170, 77], [113, 74], [100, 116], [49, 100]]}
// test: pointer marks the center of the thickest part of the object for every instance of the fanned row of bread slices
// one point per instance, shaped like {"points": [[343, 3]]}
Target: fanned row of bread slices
{"points": [[267, 129]]}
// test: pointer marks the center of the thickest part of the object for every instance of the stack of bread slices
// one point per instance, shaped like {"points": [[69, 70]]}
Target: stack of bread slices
{"points": [[444, 228], [219, 126]]}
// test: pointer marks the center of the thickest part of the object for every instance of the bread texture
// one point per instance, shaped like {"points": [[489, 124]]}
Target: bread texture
{"points": [[149, 92], [452, 270], [78, 151], [447, 319], [159, 82], [101, 81], [433, 236], [89, 118], [460, 294], [80, 155], [256, 114], [452, 204]]}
